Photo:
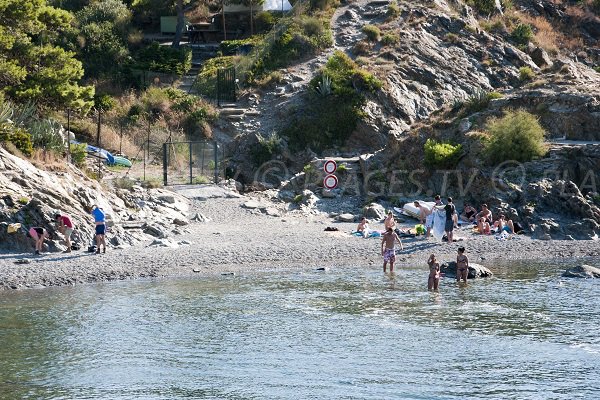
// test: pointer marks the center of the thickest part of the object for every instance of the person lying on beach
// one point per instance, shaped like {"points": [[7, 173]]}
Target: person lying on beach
{"points": [[363, 227], [433, 282], [388, 249], [483, 226], [504, 225], [38, 234], [462, 265], [468, 214]]}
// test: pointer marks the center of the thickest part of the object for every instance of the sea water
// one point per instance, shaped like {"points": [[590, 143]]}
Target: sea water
{"points": [[346, 333]]}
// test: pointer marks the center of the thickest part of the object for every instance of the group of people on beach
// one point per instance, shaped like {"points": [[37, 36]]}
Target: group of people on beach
{"points": [[482, 222], [65, 226]]}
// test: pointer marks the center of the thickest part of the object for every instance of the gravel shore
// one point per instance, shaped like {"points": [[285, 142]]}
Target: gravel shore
{"points": [[237, 239]]}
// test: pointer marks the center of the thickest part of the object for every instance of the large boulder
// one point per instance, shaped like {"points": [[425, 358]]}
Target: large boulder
{"points": [[374, 211], [582, 271], [475, 270]]}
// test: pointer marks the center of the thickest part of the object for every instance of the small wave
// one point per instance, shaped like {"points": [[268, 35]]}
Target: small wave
{"points": [[587, 347]]}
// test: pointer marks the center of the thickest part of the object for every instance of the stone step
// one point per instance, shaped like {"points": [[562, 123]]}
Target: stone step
{"points": [[232, 111], [234, 117]]}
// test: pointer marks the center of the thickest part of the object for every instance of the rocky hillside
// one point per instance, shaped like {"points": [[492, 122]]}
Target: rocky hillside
{"points": [[447, 71], [30, 197]]}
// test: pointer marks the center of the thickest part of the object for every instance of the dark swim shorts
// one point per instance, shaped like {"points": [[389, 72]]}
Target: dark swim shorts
{"points": [[100, 229], [449, 227]]}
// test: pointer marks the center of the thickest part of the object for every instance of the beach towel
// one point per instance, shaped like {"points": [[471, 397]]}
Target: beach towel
{"points": [[439, 222]]}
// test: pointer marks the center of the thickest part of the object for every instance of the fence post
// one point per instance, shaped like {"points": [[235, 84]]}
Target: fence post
{"points": [[165, 162], [216, 154], [191, 161], [218, 88]]}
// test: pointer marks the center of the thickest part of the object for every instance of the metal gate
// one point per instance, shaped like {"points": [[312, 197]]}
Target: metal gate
{"points": [[226, 85], [189, 163]]}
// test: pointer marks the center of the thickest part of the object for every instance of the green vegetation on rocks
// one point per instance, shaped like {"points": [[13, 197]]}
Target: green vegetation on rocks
{"points": [[517, 136], [330, 119], [372, 32], [154, 57], [441, 155]]}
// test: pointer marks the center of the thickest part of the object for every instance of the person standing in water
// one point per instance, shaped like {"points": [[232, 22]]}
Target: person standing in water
{"points": [[434, 273], [462, 265], [388, 249]]}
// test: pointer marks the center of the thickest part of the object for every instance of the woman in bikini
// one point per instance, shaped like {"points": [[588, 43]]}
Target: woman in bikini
{"points": [[462, 265], [434, 273]]}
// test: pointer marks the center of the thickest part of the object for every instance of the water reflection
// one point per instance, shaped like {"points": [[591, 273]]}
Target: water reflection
{"points": [[350, 333]]}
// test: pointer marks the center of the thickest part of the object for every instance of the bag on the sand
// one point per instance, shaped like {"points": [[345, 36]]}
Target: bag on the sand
{"points": [[91, 249], [420, 229], [75, 246]]}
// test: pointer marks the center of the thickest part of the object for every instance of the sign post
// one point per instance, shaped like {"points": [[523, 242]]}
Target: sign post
{"points": [[330, 181]]}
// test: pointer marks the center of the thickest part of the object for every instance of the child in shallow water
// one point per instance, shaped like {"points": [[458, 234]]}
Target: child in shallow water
{"points": [[433, 281]]}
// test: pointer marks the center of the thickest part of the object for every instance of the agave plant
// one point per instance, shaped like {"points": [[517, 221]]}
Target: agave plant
{"points": [[5, 112], [46, 133], [324, 87]]}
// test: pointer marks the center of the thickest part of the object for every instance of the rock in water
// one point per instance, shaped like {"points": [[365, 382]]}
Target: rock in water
{"points": [[475, 270], [582, 271]]}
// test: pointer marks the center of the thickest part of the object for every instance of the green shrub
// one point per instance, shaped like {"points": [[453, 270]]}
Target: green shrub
{"points": [[206, 83], [441, 155], [522, 34], [330, 119], [516, 136], [264, 21], [372, 32], [301, 37], [200, 180], [46, 134], [298, 199], [389, 39], [266, 148], [526, 74], [480, 101], [124, 183], [22, 200], [452, 37], [230, 47], [316, 5], [393, 10], [483, 6], [152, 183], [342, 168], [166, 59], [78, 154]]}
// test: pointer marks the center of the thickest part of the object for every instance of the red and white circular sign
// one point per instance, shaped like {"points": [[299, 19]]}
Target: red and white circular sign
{"points": [[330, 182], [330, 166]]}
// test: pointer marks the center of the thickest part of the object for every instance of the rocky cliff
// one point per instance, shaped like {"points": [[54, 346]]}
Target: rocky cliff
{"points": [[30, 197]]}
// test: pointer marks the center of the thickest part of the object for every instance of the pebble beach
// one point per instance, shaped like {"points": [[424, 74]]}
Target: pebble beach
{"points": [[237, 240]]}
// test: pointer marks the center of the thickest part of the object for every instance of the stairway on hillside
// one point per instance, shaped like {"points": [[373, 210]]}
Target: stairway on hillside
{"points": [[200, 53]]}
